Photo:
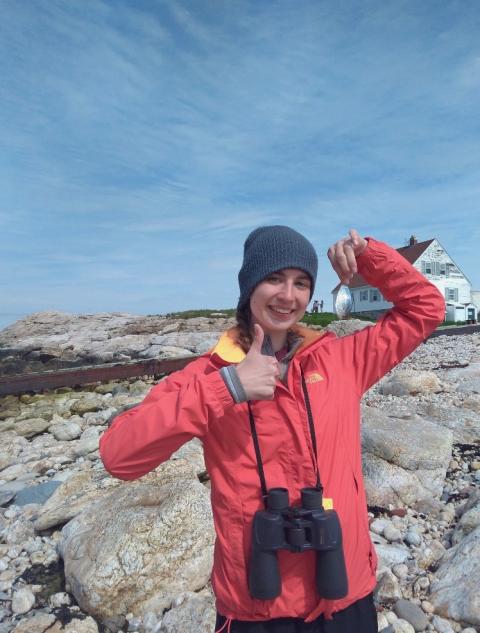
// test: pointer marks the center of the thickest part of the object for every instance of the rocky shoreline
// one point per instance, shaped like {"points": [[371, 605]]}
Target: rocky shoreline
{"points": [[71, 561]]}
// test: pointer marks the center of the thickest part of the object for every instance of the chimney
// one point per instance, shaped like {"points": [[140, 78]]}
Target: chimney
{"points": [[412, 241]]}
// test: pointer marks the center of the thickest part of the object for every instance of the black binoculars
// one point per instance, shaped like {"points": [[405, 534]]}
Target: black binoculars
{"points": [[296, 529]]}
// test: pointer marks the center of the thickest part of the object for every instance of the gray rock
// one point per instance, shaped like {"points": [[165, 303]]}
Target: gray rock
{"points": [[388, 588], [18, 532], [36, 494], [469, 518], [403, 459], [31, 427], [195, 613], [402, 626], [65, 432], [6, 496], [390, 555], [464, 423], [454, 589], [412, 613], [442, 625], [413, 537], [39, 623]]}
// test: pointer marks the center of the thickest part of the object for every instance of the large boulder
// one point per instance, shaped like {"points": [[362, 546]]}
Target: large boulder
{"points": [[454, 590], [404, 459], [139, 547], [84, 487]]}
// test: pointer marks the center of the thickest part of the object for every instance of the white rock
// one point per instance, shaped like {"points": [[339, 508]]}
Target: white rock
{"points": [[22, 601], [378, 525], [391, 617], [402, 626], [59, 599]]}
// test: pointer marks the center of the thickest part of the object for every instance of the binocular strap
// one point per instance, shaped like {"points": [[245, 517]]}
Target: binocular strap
{"points": [[256, 444]]}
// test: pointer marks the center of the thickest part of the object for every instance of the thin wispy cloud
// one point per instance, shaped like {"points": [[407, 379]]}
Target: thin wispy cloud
{"points": [[143, 141]]}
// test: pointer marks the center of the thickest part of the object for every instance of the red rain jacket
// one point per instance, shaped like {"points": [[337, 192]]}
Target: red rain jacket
{"points": [[195, 402]]}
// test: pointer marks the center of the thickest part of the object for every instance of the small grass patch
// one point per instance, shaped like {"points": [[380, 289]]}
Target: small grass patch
{"points": [[319, 318], [213, 313], [452, 323]]}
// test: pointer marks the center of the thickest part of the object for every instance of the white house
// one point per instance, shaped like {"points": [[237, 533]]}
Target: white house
{"points": [[431, 259]]}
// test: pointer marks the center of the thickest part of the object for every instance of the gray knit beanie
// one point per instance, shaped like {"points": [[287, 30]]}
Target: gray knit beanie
{"points": [[272, 248]]}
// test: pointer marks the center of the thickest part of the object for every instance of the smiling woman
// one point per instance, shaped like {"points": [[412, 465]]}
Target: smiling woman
{"points": [[276, 281], [292, 550], [279, 302]]}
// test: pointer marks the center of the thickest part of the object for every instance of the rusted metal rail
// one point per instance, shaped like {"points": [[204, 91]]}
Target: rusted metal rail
{"points": [[78, 376], [455, 331], [73, 377]]}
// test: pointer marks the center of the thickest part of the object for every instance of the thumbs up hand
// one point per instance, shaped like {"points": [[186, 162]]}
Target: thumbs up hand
{"points": [[258, 373]]}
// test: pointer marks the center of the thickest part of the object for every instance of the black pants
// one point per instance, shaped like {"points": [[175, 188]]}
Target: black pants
{"points": [[359, 617]]}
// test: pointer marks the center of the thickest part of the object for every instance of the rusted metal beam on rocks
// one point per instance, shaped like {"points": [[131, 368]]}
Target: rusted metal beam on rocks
{"points": [[77, 376], [455, 330]]}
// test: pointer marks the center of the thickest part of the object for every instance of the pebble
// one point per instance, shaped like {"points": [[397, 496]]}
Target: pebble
{"points": [[391, 617], [407, 610], [412, 537], [59, 599], [427, 606], [392, 534], [402, 626], [378, 525], [442, 625]]}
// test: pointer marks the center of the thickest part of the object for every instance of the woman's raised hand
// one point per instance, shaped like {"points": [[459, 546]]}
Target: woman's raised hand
{"points": [[258, 373], [343, 254]]}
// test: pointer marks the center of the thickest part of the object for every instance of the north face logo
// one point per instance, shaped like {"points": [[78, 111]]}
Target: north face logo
{"points": [[314, 377]]}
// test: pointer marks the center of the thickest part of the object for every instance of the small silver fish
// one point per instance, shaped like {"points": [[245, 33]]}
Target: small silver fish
{"points": [[343, 302]]}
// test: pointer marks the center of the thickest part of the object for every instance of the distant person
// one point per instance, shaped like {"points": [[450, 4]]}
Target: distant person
{"points": [[276, 406], [315, 307], [321, 305]]}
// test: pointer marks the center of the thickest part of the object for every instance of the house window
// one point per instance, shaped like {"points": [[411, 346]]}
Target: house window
{"points": [[427, 268], [451, 294], [443, 270], [374, 295], [363, 295]]}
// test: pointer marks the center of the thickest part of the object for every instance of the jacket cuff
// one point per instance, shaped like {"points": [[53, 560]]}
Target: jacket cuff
{"points": [[222, 394], [233, 384]]}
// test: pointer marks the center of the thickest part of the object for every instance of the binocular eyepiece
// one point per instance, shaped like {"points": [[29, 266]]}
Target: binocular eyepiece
{"points": [[296, 529]]}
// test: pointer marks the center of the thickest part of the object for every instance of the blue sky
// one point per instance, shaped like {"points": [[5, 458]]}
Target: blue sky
{"points": [[142, 141]]}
